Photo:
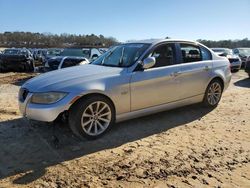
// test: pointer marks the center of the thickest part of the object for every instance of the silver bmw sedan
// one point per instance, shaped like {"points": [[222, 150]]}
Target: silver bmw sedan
{"points": [[129, 80]]}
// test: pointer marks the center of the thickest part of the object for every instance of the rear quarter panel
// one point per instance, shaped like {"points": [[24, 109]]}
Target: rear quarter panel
{"points": [[221, 68]]}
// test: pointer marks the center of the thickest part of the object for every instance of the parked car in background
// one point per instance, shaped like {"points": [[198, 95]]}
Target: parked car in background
{"points": [[243, 53], [103, 50], [51, 52], [234, 60], [89, 53], [60, 62], [128, 81], [39, 55], [16, 59], [247, 66]]}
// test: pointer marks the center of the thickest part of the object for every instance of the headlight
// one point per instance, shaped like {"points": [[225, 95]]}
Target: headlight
{"points": [[47, 98]]}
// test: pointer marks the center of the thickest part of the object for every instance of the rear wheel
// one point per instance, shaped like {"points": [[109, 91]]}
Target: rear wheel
{"points": [[213, 93], [91, 117]]}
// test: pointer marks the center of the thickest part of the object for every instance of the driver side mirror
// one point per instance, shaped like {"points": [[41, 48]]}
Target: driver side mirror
{"points": [[148, 62]]}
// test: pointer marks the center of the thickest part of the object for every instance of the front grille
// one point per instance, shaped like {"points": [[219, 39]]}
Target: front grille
{"points": [[23, 93], [233, 60]]}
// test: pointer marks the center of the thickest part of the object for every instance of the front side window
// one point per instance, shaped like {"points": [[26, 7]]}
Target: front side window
{"points": [[164, 55], [190, 53], [123, 55]]}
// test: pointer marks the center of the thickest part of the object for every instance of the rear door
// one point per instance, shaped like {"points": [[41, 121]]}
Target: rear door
{"points": [[195, 69]]}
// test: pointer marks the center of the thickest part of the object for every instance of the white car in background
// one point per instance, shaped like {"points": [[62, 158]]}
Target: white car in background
{"points": [[234, 60], [59, 62]]}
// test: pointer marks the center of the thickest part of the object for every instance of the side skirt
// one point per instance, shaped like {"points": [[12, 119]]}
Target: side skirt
{"points": [[159, 108]]}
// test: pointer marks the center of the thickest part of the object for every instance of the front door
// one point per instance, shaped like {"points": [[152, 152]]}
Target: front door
{"points": [[159, 84]]}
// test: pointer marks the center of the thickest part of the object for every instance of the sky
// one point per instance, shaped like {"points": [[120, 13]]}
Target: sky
{"points": [[130, 19]]}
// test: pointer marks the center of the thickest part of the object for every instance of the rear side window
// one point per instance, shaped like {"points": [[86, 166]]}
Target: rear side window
{"points": [[190, 53], [205, 53]]}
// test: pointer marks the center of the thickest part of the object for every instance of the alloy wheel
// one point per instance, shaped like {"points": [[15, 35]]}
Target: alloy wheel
{"points": [[96, 118], [214, 93]]}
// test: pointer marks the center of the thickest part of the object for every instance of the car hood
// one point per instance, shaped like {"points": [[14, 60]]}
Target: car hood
{"points": [[62, 80]]}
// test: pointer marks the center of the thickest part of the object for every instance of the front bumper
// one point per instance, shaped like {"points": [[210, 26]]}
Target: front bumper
{"points": [[44, 112]]}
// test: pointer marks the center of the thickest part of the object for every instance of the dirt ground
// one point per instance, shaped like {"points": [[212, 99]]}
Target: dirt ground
{"points": [[186, 147]]}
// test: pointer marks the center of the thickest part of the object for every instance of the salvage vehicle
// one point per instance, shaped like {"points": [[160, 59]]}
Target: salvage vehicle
{"points": [[234, 60], [128, 81], [60, 62], [39, 55], [243, 53], [51, 52], [16, 59]]}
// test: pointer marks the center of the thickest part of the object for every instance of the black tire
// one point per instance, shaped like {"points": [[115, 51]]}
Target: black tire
{"points": [[31, 67], [235, 70], [77, 110], [206, 101]]}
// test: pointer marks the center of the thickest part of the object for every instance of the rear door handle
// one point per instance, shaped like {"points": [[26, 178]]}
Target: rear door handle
{"points": [[177, 73], [206, 68]]}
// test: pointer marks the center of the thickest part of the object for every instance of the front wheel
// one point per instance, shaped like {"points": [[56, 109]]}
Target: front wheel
{"points": [[213, 93], [91, 117]]}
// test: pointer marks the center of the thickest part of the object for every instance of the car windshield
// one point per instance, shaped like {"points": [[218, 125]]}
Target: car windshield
{"points": [[11, 52], [245, 51], [123, 55], [53, 52], [73, 53]]}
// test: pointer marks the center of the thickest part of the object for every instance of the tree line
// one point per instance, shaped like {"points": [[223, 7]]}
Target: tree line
{"points": [[48, 40], [226, 43]]}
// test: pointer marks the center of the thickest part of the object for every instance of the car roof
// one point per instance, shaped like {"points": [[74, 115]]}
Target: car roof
{"points": [[155, 41], [220, 48], [70, 57]]}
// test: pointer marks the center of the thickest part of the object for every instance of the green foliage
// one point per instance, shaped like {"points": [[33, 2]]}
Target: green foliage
{"points": [[226, 43], [45, 40]]}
